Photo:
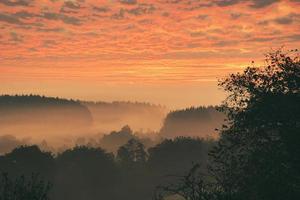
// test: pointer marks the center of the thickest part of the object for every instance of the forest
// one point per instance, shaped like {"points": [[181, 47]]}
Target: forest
{"points": [[255, 155], [56, 123]]}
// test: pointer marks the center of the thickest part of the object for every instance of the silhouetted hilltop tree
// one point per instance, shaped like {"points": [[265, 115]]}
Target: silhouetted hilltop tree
{"points": [[200, 122], [25, 100], [116, 139], [26, 160], [132, 162], [22, 188], [257, 156], [85, 173], [132, 153]]}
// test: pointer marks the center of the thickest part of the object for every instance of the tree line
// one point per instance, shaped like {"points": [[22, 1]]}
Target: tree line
{"points": [[86, 172]]}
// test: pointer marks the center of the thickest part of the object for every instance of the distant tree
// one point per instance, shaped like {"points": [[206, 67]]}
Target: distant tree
{"points": [[170, 161], [21, 188], [26, 160], [85, 173], [193, 122], [132, 153], [176, 156], [115, 139], [257, 156], [192, 186], [134, 180], [38, 111]]}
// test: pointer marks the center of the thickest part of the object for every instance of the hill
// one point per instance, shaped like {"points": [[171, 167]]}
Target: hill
{"points": [[37, 116], [194, 121]]}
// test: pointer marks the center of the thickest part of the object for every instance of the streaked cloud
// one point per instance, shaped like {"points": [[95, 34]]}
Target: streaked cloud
{"points": [[16, 2], [97, 39], [130, 2], [62, 17], [7, 18], [262, 4]]}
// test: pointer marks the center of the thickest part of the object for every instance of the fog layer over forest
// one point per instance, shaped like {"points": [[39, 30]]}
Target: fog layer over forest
{"points": [[56, 124]]}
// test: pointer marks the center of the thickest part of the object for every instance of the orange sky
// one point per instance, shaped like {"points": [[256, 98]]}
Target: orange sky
{"points": [[163, 51]]}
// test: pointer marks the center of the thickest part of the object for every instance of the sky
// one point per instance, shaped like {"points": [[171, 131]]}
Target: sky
{"points": [[169, 52]]}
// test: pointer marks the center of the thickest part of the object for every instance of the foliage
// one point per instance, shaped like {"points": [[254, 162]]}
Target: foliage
{"points": [[85, 173], [116, 139], [191, 186], [194, 121], [26, 160], [257, 156], [133, 152], [23, 189]]}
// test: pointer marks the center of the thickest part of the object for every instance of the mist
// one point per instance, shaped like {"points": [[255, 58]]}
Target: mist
{"points": [[56, 124]]}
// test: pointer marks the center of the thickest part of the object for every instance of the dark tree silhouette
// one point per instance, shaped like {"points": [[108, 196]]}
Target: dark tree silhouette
{"points": [[26, 160], [194, 121], [116, 139], [85, 173], [169, 162], [192, 186], [178, 155], [258, 154], [21, 188], [133, 152]]}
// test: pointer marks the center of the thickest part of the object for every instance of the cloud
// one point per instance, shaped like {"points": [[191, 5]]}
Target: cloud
{"points": [[64, 18], [288, 19], [71, 5], [32, 49], [223, 43], [294, 37], [197, 34], [141, 9], [236, 15], [261, 39], [262, 3], [10, 19], [24, 14], [254, 3], [224, 3], [202, 17], [16, 37], [282, 20], [56, 30], [16, 2], [49, 43], [129, 2], [101, 9], [119, 15]]}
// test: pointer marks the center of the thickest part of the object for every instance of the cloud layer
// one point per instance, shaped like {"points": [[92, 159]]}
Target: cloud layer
{"points": [[146, 41]]}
